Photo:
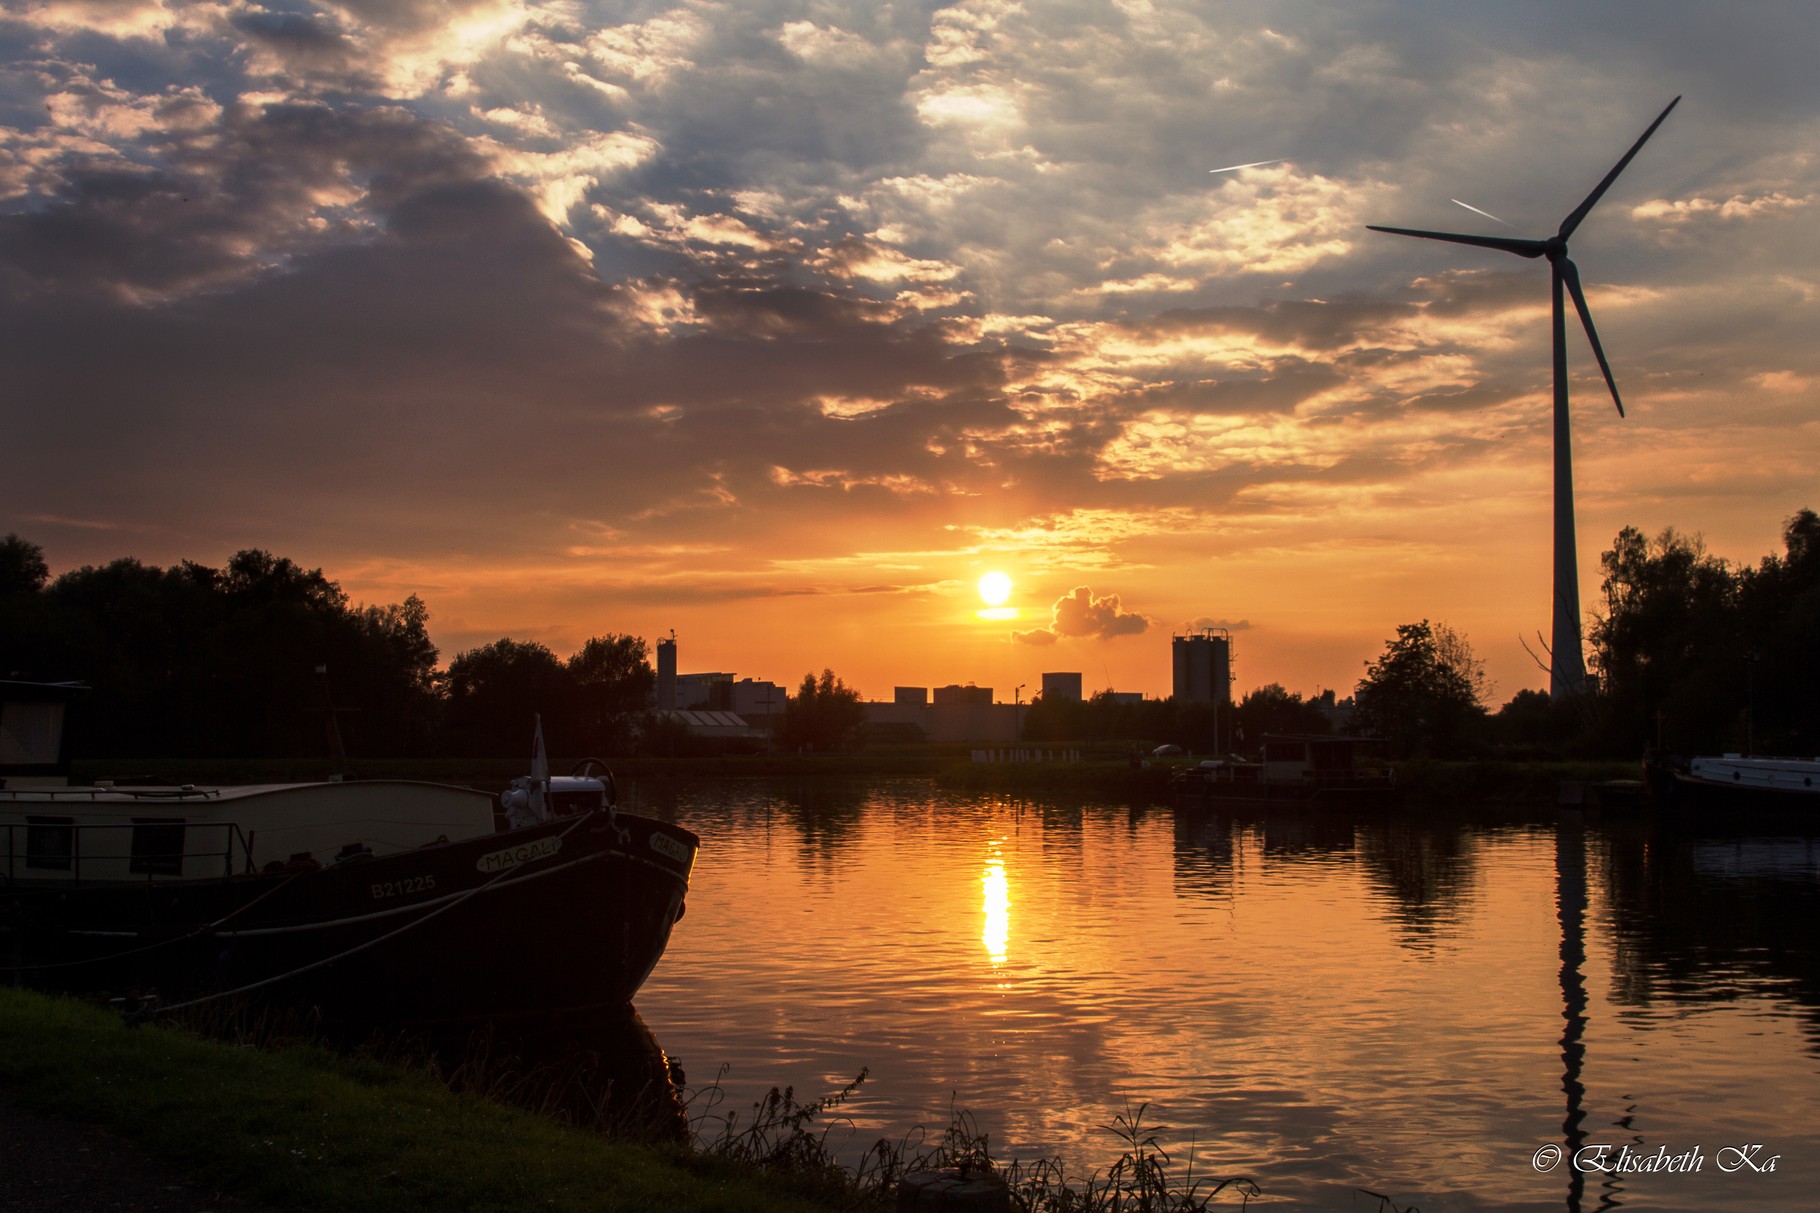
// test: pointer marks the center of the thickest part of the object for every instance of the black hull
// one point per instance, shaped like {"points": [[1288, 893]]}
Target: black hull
{"points": [[564, 915]]}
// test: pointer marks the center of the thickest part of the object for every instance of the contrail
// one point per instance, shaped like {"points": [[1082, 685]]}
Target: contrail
{"points": [[1233, 168]]}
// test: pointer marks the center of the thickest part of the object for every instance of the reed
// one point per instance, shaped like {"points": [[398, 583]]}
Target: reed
{"points": [[787, 1137]]}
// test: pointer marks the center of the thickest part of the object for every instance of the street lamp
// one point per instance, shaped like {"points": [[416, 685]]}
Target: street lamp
{"points": [[1016, 701]]}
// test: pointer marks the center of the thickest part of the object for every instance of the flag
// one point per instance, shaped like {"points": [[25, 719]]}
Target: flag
{"points": [[540, 774]]}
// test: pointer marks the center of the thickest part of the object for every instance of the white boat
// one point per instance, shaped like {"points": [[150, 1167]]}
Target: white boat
{"points": [[1736, 784]]}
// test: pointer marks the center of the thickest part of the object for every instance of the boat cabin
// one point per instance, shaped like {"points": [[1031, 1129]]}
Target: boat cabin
{"points": [[108, 833], [1311, 760]]}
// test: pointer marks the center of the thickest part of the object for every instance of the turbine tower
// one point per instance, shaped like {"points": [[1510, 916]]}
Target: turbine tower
{"points": [[1567, 665]]}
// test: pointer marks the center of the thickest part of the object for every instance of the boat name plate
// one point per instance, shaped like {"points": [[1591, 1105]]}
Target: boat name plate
{"points": [[669, 848], [511, 857]]}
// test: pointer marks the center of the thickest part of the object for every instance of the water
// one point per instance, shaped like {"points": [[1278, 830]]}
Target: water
{"points": [[1322, 1005]]}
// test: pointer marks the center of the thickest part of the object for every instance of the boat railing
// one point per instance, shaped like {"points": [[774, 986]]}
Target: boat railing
{"points": [[114, 853]]}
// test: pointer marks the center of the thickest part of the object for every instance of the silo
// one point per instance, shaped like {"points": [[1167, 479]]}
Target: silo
{"points": [[666, 674]]}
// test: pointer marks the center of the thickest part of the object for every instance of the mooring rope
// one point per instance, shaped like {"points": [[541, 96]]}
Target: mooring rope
{"points": [[460, 899], [204, 929]]}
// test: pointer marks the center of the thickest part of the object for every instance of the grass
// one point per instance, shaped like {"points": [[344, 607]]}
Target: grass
{"points": [[304, 1127], [298, 1125]]}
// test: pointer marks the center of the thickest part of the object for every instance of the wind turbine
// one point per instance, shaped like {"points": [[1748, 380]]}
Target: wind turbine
{"points": [[1567, 667]]}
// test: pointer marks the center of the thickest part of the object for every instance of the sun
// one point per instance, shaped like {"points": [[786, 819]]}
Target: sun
{"points": [[995, 589]]}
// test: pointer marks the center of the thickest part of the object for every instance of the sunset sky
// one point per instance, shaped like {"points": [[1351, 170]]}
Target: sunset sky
{"points": [[780, 323]]}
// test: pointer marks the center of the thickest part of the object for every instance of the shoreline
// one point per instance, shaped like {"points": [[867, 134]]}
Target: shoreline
{"points": [[1428, 786]]}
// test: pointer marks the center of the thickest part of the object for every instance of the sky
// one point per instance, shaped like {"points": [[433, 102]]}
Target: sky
{"points": [[777, 324]]}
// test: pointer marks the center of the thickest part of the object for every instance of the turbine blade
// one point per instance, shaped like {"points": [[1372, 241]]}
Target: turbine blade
{"points": [[1504, 244], [1573, 221], [1475, 210], [1570, 273], [1233, 168]]}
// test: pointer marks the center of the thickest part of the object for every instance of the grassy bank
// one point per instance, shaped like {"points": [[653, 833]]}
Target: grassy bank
{"points": [[302, 1127]]}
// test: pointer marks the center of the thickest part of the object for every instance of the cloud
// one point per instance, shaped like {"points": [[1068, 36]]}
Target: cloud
{"points": [[1081, 613]]}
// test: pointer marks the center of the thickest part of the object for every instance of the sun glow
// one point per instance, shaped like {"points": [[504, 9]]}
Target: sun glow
{"points": [[995, 592]]}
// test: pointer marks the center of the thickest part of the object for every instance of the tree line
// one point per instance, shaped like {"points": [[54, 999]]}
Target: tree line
{"points": [[264, 658], [1688, 653]]}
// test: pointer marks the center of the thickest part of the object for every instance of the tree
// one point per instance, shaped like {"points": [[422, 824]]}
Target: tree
{"points": [[23, 617], [1272, 709], [1452, 648], [1414, 697], [494, 691], [22, 567], [1779, 603], [1667, 646], [823, 716], [613, 682]]}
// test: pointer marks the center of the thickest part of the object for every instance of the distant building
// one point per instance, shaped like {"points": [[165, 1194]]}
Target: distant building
{"points": [[696, 691], [910, 696], [665, 695], [1124, 696], [1203, 667], [749, 697], [1058, 687], [968, 694]]}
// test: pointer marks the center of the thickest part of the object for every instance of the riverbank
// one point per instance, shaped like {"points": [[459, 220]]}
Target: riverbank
{"points": [[301, 1127], [1426, 785]]}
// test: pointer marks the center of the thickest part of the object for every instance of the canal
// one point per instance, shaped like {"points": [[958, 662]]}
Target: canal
{"points": [[1425, 1006]]}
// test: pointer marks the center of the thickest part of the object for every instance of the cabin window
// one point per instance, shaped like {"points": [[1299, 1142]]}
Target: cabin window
{"points": [[50, 842], [157, 846]]}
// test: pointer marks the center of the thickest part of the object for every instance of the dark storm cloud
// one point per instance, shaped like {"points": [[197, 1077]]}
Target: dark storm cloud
{"points": [[226, 200], [303, 41]]}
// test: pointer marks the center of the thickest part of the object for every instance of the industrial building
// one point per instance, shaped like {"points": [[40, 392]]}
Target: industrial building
{"points": [[1203, 666]]}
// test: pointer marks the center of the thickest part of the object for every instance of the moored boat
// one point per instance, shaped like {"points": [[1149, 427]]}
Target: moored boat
{"points": [[379, 900], [1297, 769], [1736, 786]]}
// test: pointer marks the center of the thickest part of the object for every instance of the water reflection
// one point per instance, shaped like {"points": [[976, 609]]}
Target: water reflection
{"points": [[1702, 919], [599, 1069], [996, 934], [1315, 1000], [1426, 869]]}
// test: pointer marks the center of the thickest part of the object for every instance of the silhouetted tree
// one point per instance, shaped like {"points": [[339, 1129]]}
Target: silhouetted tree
{"points": [[1415, 698], [1272, 709], [613, 682], [1053, 719], [494, 692], [824, 716], [22, 567], [23, 619], [1667, 646], [1780, 603]]}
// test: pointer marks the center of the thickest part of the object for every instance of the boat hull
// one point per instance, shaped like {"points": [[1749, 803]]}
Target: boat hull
{"points": [[563, 915]]}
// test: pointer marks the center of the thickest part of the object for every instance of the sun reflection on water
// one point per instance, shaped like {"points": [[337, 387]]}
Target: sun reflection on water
{"points": [[996, 934]]}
